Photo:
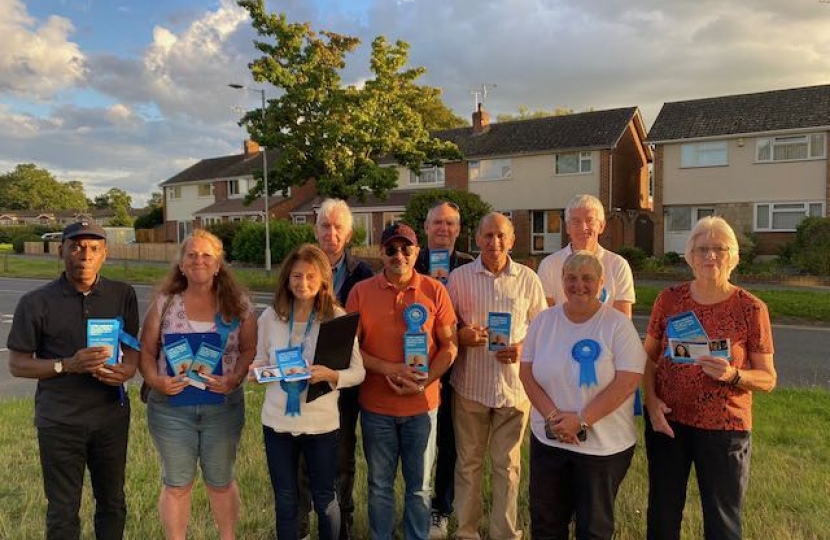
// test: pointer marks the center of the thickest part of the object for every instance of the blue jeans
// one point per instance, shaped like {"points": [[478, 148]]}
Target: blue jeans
{"points": [[282, 450], [385, 440]]}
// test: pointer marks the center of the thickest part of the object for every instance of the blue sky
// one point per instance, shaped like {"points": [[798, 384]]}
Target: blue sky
{"points": [[127, 93]]}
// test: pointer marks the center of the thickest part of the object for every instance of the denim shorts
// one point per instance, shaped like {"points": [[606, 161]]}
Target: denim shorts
{"points": [[207, 434]]}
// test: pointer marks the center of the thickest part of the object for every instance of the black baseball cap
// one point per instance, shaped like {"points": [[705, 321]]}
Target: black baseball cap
{"points": [[84, 228], [398, 230]]}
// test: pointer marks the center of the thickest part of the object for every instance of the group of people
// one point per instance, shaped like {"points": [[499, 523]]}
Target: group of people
{"points": [[570, 366]]}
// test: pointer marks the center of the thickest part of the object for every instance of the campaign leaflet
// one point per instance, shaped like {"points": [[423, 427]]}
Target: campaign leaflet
{"points": [[290, 366], [206, 360], [104, 333], [415, 348], [498, 329], [439, 264], [688, 352], [179, 356]]}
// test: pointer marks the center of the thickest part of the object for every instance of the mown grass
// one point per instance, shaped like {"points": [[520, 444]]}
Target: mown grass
{"points": [[788, 499]]}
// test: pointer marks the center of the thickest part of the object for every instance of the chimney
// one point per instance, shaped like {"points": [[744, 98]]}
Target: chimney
{"points": [[250, 147], [481, 120]]}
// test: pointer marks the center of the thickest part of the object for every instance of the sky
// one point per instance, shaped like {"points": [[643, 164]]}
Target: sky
{"points": [[126, 93]]}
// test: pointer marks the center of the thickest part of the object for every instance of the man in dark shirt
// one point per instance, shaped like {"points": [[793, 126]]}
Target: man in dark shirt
{"points": [[334, 230], [443, 225], [81, 411]]}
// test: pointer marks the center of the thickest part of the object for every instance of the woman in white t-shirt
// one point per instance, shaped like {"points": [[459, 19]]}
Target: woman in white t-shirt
{"points": [[291, 426], [581, 363]]}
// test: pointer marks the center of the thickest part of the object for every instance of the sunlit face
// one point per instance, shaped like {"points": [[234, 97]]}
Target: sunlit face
{"points": [[711, 257], [495, 238], [200, 261], [581, 284], [332, 233], [399, 257], [443, 227], [83, 258], [584, 228], [305, 280]]}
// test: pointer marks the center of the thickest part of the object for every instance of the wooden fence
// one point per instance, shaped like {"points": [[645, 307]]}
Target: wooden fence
{"points": [[128, 252]]}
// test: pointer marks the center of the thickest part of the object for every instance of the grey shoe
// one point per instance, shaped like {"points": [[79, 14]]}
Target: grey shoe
{"points": [[438, 526]]}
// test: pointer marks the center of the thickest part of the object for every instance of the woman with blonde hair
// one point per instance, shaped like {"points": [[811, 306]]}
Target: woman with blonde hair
{"points": [[701, 413], [198, 296], [291, 426]]}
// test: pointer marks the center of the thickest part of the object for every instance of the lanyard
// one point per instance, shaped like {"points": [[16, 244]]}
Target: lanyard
{"points": [[307, 328]]}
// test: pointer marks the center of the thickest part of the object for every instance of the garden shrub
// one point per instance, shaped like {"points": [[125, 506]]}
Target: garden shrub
{"points": [[672, 258], [811, 249], [635, 256], [18, 241], [249, 240], [226, 231]]}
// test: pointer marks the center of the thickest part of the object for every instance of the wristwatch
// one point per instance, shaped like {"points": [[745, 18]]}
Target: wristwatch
{"points": [[582, 435], [58, 366]]}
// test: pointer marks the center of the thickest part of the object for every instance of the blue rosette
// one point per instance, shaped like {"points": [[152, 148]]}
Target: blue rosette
{"points": [[415, 315], [293, 390], [586, 352]]}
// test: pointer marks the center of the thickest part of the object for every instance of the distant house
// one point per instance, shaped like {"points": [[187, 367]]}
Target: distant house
{"points": [[61, 218], [213, 190], [759, 160]]}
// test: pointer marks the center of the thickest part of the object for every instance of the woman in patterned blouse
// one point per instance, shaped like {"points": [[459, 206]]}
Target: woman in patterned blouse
{"points": [[701, 412]]}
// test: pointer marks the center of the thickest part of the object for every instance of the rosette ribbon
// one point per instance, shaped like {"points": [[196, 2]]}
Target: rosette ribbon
{"points": [[585, 353], [293, 389]]}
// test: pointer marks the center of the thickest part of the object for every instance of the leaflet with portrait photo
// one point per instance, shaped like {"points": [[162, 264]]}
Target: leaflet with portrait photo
{"points": [[207, 358], [498, 331], [291, 366], [439, 264], [688, 352], [105, 333], [416, 352], [179, 357]]}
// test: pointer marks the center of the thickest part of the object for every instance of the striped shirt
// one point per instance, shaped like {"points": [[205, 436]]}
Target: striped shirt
{"points": [[475, 292]]}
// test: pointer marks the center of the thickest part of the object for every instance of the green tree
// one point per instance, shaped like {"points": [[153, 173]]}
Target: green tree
{"points": [[156, 200], [333, 133], [151, 219], [526, 114], [113, 199], [122, 218], [435, 114], [28, 187], [470, 205]]}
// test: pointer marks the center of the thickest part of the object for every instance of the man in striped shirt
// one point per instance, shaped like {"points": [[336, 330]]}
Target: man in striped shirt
{"points": [[490, 408]]}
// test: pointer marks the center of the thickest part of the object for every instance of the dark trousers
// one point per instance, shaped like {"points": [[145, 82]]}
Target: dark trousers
{"points": [[445, 460], [349, 412], [565, 485], [283, 450], [65, 451], [721, 460]]}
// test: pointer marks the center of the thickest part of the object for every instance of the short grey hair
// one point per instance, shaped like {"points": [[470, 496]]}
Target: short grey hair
{"points": [[333, 206], [451, 205], [494, 215], [707, 227], [581, 258], [588, 202]]}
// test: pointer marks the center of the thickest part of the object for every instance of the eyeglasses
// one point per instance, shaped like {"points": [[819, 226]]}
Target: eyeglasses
{"points": [[391, 251], [703, 251]]}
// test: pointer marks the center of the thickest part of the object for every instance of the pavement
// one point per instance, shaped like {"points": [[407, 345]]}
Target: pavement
{"points": [[801, 356]]}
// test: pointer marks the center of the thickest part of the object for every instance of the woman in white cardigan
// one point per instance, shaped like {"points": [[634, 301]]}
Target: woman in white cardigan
{"points": [[302, 300]]}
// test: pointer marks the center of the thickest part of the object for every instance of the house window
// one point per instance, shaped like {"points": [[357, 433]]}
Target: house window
{"points": [[574, 163], [683, 218], [300, 220], [205, 190], [704, 154], [174, 192], [785, 217], [233, 188], [794, 148], [546, 235], [364, 221], [429, 175], [391, 218], [490, 169], [184, 228]]}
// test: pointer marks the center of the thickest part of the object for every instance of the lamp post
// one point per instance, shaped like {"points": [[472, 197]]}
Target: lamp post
{"points": [[261, 92]]}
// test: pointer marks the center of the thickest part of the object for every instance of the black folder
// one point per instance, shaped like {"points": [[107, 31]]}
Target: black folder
{"points": [[334, 349]]}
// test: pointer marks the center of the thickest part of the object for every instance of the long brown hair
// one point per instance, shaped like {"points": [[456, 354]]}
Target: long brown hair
{"points": [[324, 302], [231, 297]]}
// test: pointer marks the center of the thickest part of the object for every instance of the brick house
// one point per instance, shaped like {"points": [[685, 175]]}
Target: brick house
{"points": [[759, 160], [213, 190]]}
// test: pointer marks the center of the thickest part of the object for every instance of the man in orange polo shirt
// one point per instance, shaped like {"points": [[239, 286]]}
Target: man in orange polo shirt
{"points": [[399, 402]]}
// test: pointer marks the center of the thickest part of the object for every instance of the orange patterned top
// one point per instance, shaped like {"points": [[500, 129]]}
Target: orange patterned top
{"points": [[695, 398]]}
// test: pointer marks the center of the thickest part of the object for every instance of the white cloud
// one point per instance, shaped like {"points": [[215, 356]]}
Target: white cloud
{"points": [[37, 61]]}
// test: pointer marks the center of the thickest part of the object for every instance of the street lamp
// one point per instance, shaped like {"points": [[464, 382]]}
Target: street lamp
{"points": [[261, 92]]}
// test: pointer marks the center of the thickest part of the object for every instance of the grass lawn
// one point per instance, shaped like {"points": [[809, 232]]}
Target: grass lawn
{"points": [[788, 499]]}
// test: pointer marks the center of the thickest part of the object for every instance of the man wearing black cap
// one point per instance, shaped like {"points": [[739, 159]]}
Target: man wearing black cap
{"points": [[81, 411], [404, 318]]}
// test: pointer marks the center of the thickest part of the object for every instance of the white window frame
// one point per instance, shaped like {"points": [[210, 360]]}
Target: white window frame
{"points": [[300, 220], [704, 154], [361, 219], [430, 176], [183, 228], [769, 208], [787, 141], [585, 163], [237, 193], [203, 195], [545, 225], [174, 192], [211, 220], [390, 218], [488, 170]]}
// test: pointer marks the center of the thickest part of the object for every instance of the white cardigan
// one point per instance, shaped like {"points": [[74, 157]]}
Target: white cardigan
{"points": [[319, 416]]}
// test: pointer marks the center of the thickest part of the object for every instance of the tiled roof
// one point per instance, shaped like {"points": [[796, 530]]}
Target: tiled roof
{"points": [[589, 130], [776, 110], [222, 167], [396, 197], [238, 206]]}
